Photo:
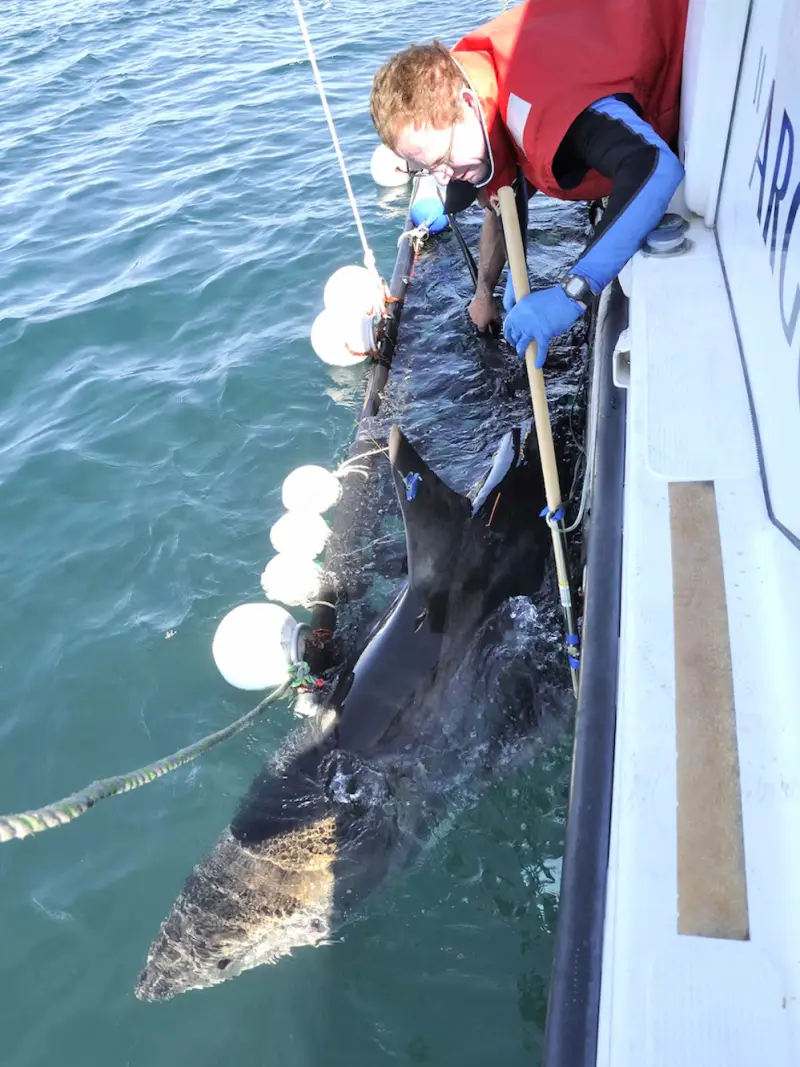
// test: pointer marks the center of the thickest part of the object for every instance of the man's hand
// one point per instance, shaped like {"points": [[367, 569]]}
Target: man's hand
{"points": [[483, 308], [491, 256]]}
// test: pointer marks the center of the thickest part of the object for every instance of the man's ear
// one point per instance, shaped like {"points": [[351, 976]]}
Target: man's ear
{"points": [[470, 99]]}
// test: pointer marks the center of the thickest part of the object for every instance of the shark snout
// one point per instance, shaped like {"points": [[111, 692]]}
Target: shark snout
{"points": [[154, 987]]}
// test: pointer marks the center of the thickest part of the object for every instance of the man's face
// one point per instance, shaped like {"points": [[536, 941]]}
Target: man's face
{"points": [[458, 152]]}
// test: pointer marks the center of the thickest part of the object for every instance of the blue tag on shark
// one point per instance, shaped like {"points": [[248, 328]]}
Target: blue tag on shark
{"points": [[411, 481]]}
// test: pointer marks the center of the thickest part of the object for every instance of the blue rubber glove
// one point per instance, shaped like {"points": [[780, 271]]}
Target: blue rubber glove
{"points": [[540, 317], [509, 300]]}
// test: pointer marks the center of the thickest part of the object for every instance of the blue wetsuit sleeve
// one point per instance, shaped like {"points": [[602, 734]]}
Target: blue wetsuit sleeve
{"points": [[611, 138]]}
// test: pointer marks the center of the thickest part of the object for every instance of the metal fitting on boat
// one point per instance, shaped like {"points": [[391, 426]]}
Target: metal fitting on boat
{"points": [[669, 237]]}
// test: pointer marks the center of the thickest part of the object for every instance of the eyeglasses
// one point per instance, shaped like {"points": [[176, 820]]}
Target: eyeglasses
{"points": [[443, 162]]}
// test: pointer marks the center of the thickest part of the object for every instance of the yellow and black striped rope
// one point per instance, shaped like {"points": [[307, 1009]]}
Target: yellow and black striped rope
{"points": [[63, 811]]}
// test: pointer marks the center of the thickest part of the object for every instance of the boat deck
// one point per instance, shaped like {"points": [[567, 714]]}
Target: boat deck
{"points": [[701, 958]]}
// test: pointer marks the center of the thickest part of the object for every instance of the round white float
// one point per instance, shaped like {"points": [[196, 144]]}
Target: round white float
{"points": [[300, 533], [255, 644], [343, 342], [291, 579], [387, 168], [353, 288], [311, 488]]}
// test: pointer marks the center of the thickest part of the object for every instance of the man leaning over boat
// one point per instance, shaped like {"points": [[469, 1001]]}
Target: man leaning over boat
{"points": [[577, 99]]}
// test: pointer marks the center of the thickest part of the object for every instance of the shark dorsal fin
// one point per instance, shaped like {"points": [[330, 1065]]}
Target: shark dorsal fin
{"points": [[435, 516]]}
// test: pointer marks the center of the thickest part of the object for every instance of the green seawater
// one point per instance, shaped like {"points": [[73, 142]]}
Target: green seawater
{"points": [[170, 209]]}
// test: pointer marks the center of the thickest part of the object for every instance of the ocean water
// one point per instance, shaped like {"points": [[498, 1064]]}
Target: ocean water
{"points": [[170, 209]]}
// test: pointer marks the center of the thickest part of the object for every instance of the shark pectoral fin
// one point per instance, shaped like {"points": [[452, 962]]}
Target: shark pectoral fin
{"points": [[435, 516]]}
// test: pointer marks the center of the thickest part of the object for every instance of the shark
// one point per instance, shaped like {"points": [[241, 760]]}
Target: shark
{"points": [[354, 796]]}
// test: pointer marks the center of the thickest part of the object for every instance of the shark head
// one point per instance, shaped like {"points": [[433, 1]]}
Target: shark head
{"points": [[241, 908], [349, 805], [281, 876]]}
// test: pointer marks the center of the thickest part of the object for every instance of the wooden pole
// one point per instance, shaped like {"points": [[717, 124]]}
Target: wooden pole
{"points": [[541, 418]]}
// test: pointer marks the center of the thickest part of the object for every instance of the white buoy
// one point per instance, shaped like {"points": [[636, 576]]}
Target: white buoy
{"points": [[353, 288], [300, 533], [342, 342], [387, 168], [291, 580], [345, 332], [311, 488], [255, 644]]}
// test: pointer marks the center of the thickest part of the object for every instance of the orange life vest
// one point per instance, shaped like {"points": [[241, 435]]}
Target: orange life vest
{"points": [[539, 65]]}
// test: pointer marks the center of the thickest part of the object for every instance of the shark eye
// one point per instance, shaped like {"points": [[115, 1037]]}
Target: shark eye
{"points": [[222, 964]]}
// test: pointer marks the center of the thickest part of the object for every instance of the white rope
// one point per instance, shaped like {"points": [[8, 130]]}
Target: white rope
{"points": [[354, 465], [363, 471], [582, 507], [369, 258], [417, 236]]}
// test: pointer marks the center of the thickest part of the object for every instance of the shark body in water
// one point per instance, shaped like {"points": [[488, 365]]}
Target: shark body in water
{"points": [[353, 798]]}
